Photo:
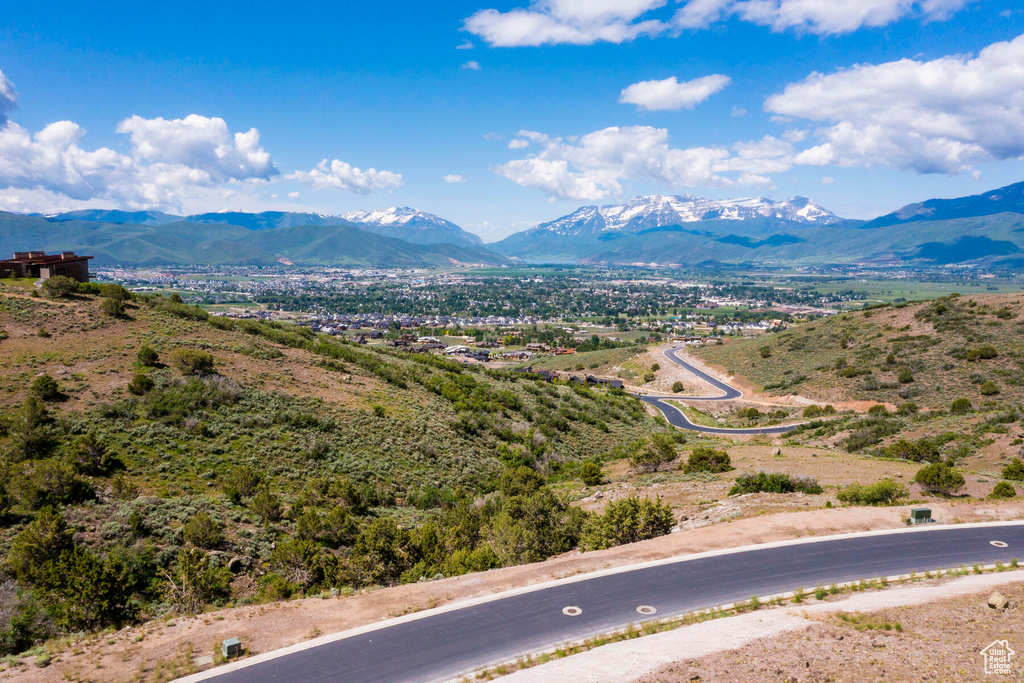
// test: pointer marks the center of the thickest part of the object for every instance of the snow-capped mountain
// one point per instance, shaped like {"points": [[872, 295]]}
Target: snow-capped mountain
{"points": [[402, 223], [656, 211], [411, 225]]}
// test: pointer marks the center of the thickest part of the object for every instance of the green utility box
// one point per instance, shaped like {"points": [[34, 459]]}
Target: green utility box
{"points": [[232, 647], [920, 515]]}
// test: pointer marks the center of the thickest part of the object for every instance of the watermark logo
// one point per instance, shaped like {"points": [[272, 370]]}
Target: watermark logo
{"points": [[998, 658]]}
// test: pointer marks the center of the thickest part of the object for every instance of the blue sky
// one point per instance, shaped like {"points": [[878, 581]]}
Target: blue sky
{"points": [[194, 107]]}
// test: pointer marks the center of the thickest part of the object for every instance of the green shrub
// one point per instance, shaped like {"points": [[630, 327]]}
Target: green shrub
{"points": [[60, 287], [590, 474], [520, 481], [884, 492], [659, 449], [242, 482], [202, 531], [1014, 470], [112, 307], [91, 456], [677, 387], [765, 351], [988, 388], [907, 409], [649, 377], [45, 388], [905, 376], [38, 544], [112, 290], [266, 505], [148, 356], [49, 483], [985, 352], [1004, 489], [192, 361], [141, 384], [704, 459], [939, 478], [196, 581], [774, 482], [818, 411], [877, 410], [961, 406], [922, 450], [627, 521]]}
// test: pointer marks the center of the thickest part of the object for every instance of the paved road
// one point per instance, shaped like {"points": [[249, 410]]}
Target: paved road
{"points": [[450, 644], [676, 417]]}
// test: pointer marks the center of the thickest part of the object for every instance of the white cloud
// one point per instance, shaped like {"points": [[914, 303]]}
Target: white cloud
{"points": [[8, 98], [814, 16], [595, 165], [173, 162], [518, 144], [199, 142], [670, 94], [454, 178], [339, 175], [491, 136], [827, 180], [737, 112], [941, 116], [293, 195], [583, 22], [471, 65], [578, 22], [465, 45]]}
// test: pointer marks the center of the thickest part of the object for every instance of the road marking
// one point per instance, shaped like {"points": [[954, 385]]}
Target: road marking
{"points": [[572, 611], [646, 610], [998, 544]]}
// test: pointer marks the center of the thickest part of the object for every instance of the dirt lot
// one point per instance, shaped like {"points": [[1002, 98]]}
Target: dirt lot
{"points": [[140, 652], [938, 641]]}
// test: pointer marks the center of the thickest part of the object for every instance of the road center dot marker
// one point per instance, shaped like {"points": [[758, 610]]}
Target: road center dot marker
{"points": [[646, 610], [572, 611], [998, 544]]}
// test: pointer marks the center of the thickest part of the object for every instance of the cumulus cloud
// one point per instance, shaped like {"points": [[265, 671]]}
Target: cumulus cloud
{"points": [[465, 45], [813, 16], [578, 22], [518, 143], [594, 166], [199, 142], [471, 65], [940, 116], [172, 162], [670, 94], [583, 22], [827, 180], [8, 98], [293, 195], [454, 178], [339, 175]]}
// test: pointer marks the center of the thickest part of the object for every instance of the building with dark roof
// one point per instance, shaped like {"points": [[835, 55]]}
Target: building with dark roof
{"points": [[38, 264]]}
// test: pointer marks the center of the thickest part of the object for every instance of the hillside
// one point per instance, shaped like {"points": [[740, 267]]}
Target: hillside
{"points": [[307, 463], [209, 243]]}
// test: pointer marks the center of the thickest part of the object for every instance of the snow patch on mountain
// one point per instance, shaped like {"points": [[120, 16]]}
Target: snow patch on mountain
{"points": [[652, 211]]}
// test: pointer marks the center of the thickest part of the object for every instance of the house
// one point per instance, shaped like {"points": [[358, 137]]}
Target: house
{"points": [[601, 382], [38, 264], [546, 375], [564, 351], [538, 347]]}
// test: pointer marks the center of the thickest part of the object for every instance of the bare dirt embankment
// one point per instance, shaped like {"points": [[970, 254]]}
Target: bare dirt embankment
{"points": [[139, 652]]}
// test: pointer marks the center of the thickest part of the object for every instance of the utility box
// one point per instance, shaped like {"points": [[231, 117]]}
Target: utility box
{"points": [[232, 647], [920, 515]]}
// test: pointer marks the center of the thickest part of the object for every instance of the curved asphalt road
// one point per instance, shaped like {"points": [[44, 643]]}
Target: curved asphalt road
{"points": [[449, 644], [676, 417]]}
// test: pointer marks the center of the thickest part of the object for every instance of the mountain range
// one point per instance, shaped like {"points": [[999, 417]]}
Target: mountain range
{"points": [[262, 241], [402, 223], [985, 229]]}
